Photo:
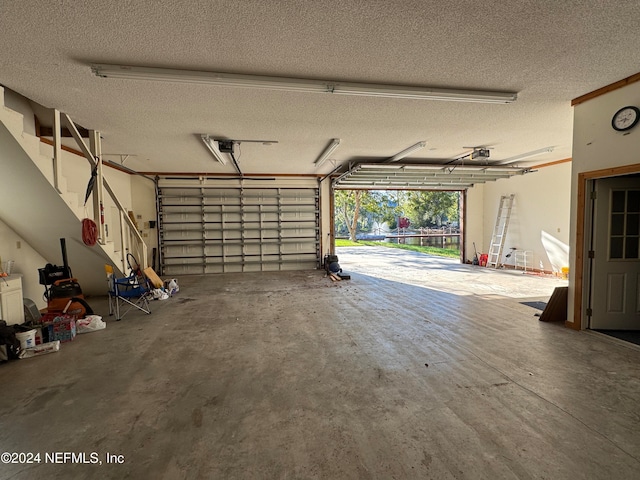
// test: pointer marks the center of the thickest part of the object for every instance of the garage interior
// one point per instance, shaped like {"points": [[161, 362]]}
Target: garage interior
{"points": [[215, 135], [265, 375]]}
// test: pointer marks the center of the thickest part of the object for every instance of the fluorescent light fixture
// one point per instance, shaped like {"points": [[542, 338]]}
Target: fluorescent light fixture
{"points": [[328, 151], [408, 151], [300, 84], [524, 156], [209, 143], [423, 93]]}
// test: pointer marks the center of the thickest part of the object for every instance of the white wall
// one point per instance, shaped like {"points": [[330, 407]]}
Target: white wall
{"points": [[540, 217], [20, 104], [474, 222], [597, 146], [325, 218], [27, 262], [143, 201]]}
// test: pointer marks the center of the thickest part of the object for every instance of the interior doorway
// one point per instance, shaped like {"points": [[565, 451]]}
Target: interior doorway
{"points": [[613, 303]]}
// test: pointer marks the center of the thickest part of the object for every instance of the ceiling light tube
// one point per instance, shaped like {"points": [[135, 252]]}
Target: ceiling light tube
{"points": [[524, 156], [408, 151], [209, 143], [422, 93], [328, 151], [300, 84]]}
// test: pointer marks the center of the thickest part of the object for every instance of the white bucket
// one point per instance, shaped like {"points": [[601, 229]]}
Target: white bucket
{"points": [[27, 339]]}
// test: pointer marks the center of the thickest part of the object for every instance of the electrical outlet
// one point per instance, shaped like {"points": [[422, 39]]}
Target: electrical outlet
{"points": [[18, 245]]}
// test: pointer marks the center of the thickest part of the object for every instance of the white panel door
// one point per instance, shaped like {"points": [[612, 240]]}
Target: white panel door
{"points": [[615, 298]]}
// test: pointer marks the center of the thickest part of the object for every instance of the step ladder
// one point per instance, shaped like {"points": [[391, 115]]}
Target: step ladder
{"points": [[500, 231]]}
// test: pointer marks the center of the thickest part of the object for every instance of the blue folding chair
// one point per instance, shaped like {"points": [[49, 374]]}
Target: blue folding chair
{"points": [[127, 293]]}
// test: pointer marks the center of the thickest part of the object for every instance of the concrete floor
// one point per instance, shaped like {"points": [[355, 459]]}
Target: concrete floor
{"points": [[421, 368]]}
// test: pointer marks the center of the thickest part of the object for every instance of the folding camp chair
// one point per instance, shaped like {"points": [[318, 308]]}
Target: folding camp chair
{"points": [[127, 292]]}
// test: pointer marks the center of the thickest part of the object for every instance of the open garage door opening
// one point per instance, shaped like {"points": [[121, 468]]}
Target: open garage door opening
{"points": [[423, 184], [430, 221]]}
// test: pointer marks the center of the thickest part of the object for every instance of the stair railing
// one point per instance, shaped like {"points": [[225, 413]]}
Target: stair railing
{"points": [[130, 238]]}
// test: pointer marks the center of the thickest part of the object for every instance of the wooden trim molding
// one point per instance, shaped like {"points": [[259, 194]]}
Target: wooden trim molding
{"points": [[462, 217], [611, 172], [609, 88], [65, 148], [232, 175], [551, 164], [579, 261], [580, 233]]}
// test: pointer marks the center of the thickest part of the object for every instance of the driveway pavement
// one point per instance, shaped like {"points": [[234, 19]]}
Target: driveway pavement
{"points": [[445, 274]]}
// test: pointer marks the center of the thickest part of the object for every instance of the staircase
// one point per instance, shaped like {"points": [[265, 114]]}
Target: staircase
{"points": [[42, 214]]}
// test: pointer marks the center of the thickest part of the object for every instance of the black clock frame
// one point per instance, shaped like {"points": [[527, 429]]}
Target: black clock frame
{"points": [[628, 127]]}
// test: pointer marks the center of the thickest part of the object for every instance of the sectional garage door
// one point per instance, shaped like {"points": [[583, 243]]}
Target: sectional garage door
{"points": [[217, 230]]}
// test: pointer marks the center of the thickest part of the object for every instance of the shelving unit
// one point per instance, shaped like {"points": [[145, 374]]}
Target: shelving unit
{"points": [[524, 260]]}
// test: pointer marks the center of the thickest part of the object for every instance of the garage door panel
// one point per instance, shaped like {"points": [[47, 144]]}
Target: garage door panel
{"points": [[185, 209], [213, 217], [181, 221], [184, 235], [295, 249], [184, 261], [177, 270], [214, 250], [184, 251], [235, 250], [217, 230], [269, 249], [179, 202], [299, 232], [300, 216], [176, 227]]}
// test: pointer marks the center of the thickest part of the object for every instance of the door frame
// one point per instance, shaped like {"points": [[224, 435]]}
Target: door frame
{"points": [[583, 239]]}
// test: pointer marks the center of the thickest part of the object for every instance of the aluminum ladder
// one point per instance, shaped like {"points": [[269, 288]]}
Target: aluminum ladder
{"points": [[500, 231]]}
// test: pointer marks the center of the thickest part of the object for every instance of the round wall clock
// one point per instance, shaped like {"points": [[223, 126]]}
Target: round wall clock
{"points": [[625, 119]]}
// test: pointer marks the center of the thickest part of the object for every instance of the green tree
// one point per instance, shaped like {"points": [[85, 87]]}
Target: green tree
{"points": [[428, 208], [354, 209], [347, 209], [383, 205]]}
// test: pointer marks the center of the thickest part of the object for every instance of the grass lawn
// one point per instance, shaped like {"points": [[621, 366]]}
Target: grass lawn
{"points": [[443, 252]]}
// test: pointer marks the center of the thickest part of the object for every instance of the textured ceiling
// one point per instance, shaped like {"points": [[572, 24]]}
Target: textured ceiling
{"points": [[548, 51]]}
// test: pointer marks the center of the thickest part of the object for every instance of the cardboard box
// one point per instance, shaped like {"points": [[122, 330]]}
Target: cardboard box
{"points": [[60, 327]]}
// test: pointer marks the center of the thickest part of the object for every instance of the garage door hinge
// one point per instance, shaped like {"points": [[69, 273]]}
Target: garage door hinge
{"points": [[591, 254], [589, 312]]}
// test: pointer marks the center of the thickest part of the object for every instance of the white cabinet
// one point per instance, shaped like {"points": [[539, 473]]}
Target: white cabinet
{"points": [[11, 303]]}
